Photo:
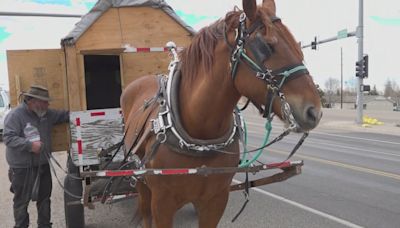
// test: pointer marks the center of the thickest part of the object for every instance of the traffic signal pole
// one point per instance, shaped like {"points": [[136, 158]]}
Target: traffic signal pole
{"points": [[318, 42], [362, 63], [360, 40]]}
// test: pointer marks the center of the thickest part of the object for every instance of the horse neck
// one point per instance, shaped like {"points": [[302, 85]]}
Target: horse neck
{"points": [[207, 102]]}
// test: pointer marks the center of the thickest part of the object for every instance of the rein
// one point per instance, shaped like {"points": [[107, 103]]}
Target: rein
{"points": [[238, 55]]}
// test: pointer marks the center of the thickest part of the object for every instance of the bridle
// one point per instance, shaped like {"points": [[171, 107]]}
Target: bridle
{"points": [[261, 51]]}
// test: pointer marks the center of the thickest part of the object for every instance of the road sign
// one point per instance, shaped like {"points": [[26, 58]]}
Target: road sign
{"points": [[342, 34]]}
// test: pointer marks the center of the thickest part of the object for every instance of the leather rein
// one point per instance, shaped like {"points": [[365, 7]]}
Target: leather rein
{"points": [[262, 50]]}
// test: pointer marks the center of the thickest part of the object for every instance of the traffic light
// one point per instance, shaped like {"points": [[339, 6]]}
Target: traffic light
{"points": [[362, 67], [359, 69], [314, 44], [365, 66]]}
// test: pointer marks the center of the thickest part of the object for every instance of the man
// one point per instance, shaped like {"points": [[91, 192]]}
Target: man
{"points": [[27, 157]]}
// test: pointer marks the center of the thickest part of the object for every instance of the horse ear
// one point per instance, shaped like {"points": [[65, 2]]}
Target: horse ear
{"points": [[250, 8], [270, 4]]}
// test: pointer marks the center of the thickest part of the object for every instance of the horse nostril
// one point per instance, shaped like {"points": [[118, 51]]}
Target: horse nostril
{"points": [[312, 114]]}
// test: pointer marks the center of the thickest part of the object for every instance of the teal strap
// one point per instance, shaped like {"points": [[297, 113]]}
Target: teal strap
{"points": [[287, 73], [244, 162], [253, 65]]}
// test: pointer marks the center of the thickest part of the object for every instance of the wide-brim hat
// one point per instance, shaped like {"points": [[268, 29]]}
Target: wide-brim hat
{"points": [[39, 92]]}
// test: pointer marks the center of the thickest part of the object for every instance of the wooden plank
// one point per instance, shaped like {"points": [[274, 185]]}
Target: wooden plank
{"points": [[149, 27], [44, 67], [136, 65], [81, 81], [110, 51], [104, 33], [74, 90]]}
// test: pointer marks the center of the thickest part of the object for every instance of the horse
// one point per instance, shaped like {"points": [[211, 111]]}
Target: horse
{"points": [[248, 53]]}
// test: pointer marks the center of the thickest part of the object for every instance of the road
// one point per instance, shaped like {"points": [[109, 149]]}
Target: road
{"points": [[351, 178]]}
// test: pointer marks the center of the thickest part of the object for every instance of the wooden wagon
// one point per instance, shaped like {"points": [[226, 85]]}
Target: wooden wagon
{"points": [[112, 45]]}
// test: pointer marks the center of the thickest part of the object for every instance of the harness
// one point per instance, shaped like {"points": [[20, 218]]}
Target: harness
{"points": [[169, 129], [262, 51]]}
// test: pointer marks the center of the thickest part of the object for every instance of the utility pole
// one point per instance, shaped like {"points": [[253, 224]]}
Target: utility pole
{"points": [[341, 78], [360, 40]]}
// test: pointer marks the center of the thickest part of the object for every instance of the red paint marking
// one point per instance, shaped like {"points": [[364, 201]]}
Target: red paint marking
{"points": [[79, 142], [119, 173], [279, 164], [97, 114], [143, 49], [174, 171], [78, 121]]}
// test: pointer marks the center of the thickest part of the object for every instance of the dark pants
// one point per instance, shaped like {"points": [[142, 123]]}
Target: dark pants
{"points": [[22, 181]]}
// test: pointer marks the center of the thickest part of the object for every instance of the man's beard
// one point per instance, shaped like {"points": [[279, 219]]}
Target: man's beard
{"points": [[40, 112]]}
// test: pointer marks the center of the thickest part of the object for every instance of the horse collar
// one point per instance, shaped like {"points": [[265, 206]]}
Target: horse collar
{"points": [[169, 129]]}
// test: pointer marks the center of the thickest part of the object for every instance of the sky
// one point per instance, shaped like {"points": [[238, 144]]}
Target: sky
{"points": [[306, 19]]}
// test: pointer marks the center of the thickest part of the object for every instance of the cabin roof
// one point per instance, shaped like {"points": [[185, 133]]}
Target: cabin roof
{"points": [[103, 5]]}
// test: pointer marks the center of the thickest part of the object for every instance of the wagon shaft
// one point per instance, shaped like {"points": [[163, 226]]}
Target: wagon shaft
{"points": [[279, 177]]}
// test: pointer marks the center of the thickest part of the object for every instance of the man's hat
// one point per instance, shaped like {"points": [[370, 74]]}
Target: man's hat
{"points": [[39, 92]]}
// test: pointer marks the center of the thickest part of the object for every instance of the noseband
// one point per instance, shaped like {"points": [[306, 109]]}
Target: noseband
{"points": [[261, 51]]}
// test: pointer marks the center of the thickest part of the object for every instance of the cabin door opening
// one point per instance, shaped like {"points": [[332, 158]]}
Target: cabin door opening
{"points": [[103, 81]]}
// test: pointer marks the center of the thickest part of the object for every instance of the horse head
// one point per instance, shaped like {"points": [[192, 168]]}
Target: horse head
{"points": [[267, 66]]}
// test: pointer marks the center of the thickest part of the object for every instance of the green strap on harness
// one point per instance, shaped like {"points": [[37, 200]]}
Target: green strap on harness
{"points": [[287, 73], [244, 162]]}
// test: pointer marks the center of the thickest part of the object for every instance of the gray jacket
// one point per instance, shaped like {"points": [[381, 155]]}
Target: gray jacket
{"points": [[19, 149]]}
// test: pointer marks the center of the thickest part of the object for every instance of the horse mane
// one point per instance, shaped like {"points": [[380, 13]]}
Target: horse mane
{"points": [[200, 53]]}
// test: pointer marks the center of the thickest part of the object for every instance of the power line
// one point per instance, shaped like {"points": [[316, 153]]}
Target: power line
{"points": [[18, 14]]}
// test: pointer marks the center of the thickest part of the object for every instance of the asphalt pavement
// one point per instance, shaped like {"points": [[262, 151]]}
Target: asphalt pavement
{"points": [[350, 178]]}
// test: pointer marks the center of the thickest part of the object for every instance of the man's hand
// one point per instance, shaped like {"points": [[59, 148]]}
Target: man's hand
{"points": [[36, 147]]}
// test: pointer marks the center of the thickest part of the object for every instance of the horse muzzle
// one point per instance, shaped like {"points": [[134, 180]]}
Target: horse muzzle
{"points": [[307, 118]]}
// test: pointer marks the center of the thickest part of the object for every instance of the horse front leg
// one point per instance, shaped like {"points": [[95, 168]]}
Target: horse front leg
{"points": [[163, 208], [210, 211], [144, 203]]}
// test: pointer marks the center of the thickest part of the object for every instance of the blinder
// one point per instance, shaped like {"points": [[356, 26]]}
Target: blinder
{"points": [[260, 49]]}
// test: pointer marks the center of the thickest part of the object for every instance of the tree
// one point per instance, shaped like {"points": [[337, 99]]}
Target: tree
{"points": [[321, 95], [332, 87], [392, 90], [373, 92]]}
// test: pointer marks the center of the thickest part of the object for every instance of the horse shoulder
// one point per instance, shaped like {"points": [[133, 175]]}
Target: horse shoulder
{"points": [[137, 92]]}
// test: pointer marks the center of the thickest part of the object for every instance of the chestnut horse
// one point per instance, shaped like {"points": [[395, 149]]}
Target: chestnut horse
{"points": [[248, 53]]}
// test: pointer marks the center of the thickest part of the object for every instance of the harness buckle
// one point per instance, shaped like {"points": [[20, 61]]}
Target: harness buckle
{"points": [[242, 17]]}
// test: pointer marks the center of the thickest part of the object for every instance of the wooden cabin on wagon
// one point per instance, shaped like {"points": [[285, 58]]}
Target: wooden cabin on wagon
{"points": [[115, 43]]}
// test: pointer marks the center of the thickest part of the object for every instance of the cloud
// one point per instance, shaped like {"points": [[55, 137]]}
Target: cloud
{"points": [[196, 21], [386, 21], [54, 2], [3, 34]]}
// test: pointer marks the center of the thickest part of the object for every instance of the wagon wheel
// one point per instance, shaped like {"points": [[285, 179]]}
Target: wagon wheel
{"points": [[74, 211]]}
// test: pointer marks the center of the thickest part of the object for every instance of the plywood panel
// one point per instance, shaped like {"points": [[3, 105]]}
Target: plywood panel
{"points": [[40, 67], [104, 33], [81, 82], [136, 65], [74, 90], [148, 27]]}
